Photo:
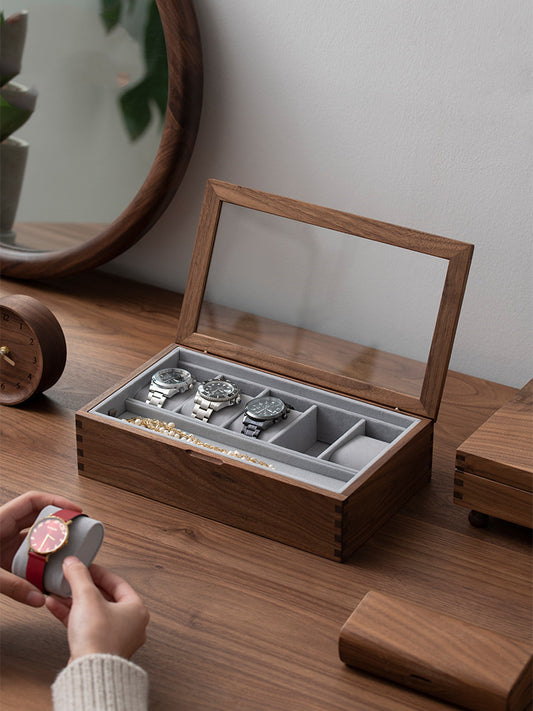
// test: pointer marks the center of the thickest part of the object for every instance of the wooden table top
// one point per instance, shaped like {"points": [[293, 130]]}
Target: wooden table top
{"points": [[48, 236], [239, 621]]}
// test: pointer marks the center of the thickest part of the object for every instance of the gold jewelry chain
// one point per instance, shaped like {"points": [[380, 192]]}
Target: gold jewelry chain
{"points": [[169, 428]]}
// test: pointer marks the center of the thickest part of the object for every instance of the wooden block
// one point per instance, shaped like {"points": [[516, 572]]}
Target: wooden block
{"points": [[494, 466], [493, 498], [437, 654], [502, 448]]}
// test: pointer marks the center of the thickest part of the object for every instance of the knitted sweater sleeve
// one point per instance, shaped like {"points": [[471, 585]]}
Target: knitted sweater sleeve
{"points": [[101, 682]]}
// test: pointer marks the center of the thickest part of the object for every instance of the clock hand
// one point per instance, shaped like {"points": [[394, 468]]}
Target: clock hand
{"points": [[48, 536], [4, 352]]}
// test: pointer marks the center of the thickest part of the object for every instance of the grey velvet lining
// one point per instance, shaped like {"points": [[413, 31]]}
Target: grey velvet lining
{"points": [[327, 439]]}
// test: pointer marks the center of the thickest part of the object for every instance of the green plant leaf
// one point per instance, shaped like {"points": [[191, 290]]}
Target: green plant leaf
{"points": [[135, 105], [154, 40], [155, 57], [136, 101], [11, 118], [110, 11]]}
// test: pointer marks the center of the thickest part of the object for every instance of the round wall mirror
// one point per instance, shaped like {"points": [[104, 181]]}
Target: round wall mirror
{"points": [[145, 60]]}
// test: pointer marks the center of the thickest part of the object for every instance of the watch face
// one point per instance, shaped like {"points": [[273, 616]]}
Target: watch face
{"points": [[48, 535], [32, 348], [265, 408], [21, 361], [170, 377], [218, 390]]}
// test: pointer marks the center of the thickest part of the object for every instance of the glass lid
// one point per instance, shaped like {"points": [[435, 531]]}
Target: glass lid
{"points": [[335, 300]]}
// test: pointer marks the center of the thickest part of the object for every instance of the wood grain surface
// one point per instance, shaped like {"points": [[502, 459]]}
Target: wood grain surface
{"points": [[55, 235], [30, 327], [502, 448], [494, 466], [437, 654], [239, 621]]}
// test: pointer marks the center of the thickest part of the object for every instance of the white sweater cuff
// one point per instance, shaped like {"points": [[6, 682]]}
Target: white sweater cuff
{"points": [[101, 682]]}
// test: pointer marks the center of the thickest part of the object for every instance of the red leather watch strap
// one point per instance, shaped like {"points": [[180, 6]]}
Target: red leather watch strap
{"points": [[35, 569], [66, 514], [36, 564]]}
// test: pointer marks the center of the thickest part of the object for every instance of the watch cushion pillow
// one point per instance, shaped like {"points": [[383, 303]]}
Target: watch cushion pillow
{"points": [[84, 541]]}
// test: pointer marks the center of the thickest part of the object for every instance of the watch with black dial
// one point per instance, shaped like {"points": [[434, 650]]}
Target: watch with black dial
{"points": [[47, 536], [214, 395], [166, 383], [261, 413]]}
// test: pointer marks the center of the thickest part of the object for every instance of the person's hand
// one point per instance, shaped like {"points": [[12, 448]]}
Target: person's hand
{"points": [[16, 516], [105, 614]]}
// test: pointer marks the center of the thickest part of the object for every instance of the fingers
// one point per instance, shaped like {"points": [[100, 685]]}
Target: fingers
{"points": [[20, 590], [105, 614], [20, 513], [97, 579], [112, 585], [116, 589], [59, 607], [78, 577]]}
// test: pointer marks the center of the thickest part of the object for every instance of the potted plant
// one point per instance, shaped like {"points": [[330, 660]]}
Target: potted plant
{"points": [[17, 103]]}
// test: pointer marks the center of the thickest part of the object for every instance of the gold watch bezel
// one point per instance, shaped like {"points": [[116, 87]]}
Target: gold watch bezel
{"points": [[51, 517]]}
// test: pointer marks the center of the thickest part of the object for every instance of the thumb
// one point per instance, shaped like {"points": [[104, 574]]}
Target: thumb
{"points": [[77, 575]]}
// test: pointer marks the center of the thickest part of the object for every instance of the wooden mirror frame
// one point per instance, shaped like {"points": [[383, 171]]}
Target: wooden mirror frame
{"points": [[185, 70]]}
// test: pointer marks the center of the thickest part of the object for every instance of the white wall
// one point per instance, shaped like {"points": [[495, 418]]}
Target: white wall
{"points": [[416, 112]]}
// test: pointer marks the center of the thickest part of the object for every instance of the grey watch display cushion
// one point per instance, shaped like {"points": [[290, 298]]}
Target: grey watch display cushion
{"points": [[84, 541], [327, 439]]}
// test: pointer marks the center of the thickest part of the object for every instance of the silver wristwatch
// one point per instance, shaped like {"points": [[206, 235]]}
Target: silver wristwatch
{"points": [[213, 395], [166, 383], [261, 413]]}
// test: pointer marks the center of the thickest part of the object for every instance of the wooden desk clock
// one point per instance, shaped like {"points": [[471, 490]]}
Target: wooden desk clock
{"points": [[33, 349], [352, 440]]}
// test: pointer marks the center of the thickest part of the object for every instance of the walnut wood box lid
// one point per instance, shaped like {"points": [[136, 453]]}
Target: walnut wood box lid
{"points": [[343, 360], [502, 448], [437, 654]]}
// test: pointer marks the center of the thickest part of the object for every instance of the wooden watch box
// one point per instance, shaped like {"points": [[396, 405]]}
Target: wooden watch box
{"points": [[494, 466], [284, 304]]}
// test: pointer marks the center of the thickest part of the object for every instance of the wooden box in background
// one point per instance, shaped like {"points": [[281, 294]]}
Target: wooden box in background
{"points": [[357, 442], [494, 466]]}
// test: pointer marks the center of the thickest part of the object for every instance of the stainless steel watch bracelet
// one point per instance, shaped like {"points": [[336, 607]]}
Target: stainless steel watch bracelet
{"points": [[157, 398], [202, 409]]}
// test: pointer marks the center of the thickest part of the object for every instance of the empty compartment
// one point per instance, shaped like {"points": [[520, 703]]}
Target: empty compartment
{"points": [[363, 444], [316, 429]]}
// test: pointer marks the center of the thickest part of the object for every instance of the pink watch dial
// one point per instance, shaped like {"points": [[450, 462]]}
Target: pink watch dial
{"points": [[48, 535]]}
